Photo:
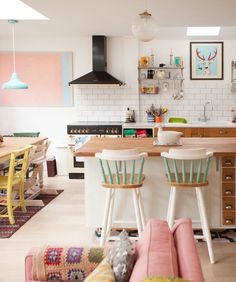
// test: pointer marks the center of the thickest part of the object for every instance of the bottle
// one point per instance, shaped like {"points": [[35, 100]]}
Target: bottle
{"points": [[127, 115]]}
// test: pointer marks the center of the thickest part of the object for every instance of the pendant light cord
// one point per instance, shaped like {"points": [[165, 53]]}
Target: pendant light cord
{"points": [[13, 47]]}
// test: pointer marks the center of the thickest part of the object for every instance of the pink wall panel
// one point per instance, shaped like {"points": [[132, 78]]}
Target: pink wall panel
{"points": [[47, 75]]}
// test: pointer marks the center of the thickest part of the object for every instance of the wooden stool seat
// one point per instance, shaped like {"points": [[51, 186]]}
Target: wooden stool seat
{"points": [[188, 169], [186, 183], [124, 182], [121, 169]]}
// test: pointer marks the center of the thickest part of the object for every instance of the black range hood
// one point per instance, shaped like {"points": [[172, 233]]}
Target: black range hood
{"points": [[99, 74]]}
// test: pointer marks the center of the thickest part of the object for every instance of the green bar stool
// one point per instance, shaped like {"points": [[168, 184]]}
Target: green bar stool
{"points": [[121, 169], [188, 168]]}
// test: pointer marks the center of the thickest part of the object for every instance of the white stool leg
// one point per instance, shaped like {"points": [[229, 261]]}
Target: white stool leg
{"points": [[204, 223], [141, 209], [137, 212], [171, 207], [105, 217], [108, 231]]}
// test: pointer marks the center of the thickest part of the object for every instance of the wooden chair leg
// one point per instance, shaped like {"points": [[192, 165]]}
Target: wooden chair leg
{"points": [[137, 212], [109, 225], [9, 207], [106, 217], [22, 196], [204, 223], [140, 201], [171, 207], [40, 173]]}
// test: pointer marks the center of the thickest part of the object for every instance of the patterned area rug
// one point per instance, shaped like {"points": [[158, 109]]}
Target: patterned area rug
{"points": [[7, 230]]}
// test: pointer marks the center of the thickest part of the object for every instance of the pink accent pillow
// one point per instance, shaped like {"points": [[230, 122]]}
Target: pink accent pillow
{"points": [[156, 254]]}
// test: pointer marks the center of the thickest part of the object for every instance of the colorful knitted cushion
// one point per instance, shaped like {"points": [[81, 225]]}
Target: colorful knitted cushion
{"points": [[164, 279], [66, 264], [102, 273], [122, 257]]}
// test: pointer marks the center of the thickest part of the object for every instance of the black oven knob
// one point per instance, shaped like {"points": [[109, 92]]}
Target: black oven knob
{"points": [[71, 131], [76, 131], [87, 130], [107, 131], [82, 130], [79, 130]]}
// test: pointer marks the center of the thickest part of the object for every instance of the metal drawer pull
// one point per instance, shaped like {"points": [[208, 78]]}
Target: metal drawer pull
{"points": [[228, 192], [228, 163], [228, 207], [228, 177], [228, 221]]}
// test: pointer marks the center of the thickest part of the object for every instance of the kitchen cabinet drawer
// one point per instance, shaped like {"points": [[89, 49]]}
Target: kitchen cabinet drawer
{"points": [[197, 132], [228, 218], [227, 161], [228, 203], [228, 174], [220, 132], [228, 189]]}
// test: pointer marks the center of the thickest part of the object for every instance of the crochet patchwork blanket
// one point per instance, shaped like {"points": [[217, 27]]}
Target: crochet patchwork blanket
{"points": [[66, 263]]}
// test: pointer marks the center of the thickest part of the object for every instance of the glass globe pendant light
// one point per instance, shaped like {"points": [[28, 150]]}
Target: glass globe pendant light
{"points": [[14, 82], [145, 27]]}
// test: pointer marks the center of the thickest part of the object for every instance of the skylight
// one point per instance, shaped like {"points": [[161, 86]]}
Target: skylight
{"points": [[203, 31], [17, 10]]}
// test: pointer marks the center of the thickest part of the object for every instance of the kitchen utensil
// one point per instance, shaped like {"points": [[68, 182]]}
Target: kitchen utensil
{"points": [[165, 86]]}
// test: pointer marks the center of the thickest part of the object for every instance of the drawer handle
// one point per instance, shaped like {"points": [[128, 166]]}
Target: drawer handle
{"points": [[229, 207], [228, 221], [228, 177], [228, 192], [228, 163]]}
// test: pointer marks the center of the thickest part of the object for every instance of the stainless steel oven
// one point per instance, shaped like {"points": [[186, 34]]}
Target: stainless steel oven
{"points": [[79, 133]]}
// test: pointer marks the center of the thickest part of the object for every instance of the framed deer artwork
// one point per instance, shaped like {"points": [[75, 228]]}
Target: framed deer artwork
{"points": [[206, 60]]}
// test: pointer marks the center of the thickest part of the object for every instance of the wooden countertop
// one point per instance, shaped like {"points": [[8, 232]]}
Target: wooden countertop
{"points": [[14, 143], [220, 146]]}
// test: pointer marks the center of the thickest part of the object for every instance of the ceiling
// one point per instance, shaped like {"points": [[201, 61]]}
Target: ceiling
{"points": [[72, 18]]}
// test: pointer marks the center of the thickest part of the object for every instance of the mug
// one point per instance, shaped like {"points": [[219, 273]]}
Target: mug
{"points": [[150, 74]]}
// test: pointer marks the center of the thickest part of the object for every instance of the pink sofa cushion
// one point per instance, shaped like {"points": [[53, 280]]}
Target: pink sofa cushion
{"points": [[156, 254], [189, 262]]}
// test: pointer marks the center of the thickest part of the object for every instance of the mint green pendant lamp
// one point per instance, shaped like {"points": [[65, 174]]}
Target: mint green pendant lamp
{"points": [[14, 82]]}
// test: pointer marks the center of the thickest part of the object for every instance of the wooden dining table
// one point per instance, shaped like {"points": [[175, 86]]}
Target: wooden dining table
{"points": [[10, 144]]}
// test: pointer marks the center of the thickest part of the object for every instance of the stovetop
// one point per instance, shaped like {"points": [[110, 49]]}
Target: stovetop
{"points": [[95, 128], [96, 123]]}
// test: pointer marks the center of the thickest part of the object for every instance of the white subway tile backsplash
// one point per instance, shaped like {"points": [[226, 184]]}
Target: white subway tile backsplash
{"points": [[111, 103]]}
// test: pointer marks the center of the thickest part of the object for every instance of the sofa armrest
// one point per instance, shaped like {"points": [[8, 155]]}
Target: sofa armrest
{"points": [[29, 265], [188, 259], [41, 264]]}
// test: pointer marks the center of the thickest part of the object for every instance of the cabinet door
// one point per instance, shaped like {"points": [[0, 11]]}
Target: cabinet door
{"points": [[220, 132], [197, 132]]}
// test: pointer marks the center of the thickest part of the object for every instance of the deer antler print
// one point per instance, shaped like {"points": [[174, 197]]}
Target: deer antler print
{"points": [[211, 58], [199, 56]]}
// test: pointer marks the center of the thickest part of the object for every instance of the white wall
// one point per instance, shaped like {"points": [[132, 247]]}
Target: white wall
{"points": [[111, 103]]}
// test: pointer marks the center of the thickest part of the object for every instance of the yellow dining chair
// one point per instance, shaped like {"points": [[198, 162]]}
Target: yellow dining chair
{"points": [[14, 179]]}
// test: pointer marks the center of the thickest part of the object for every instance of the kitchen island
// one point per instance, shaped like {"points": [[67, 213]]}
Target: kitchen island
{"points": [[156, 191]]}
